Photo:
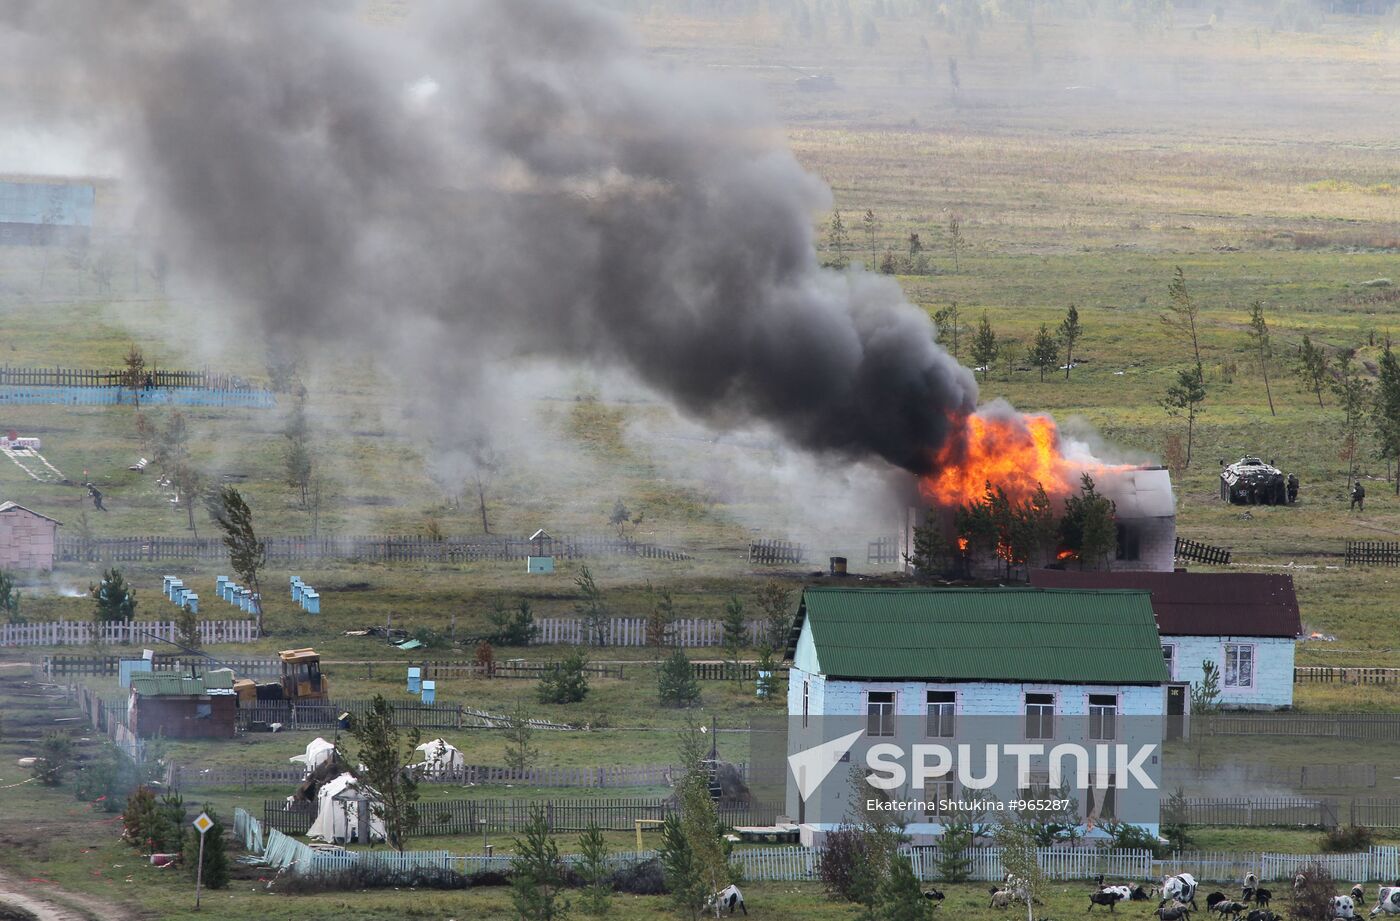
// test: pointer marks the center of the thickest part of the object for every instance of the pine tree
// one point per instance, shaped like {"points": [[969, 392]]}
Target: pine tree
{"points": [[1183, 313], [590, 607], [9, 599], [1044, 352], [520, 754], [592, 866], [1087, 527], [134, 373], [774, 599], [954, 863], [693, 852], [676, 680], [187, 628], [736, 631], [1385, 414], [949, 324], [566, 682], [1187, 396], [838, 241], [661, 618], [115, 599], [297, 458], [869, 223], [1313, 368], [383, 753], [1070, 333], [1259, 338], [246, 552], [900, 896], [956, 240], [54, 759], [984, 347], [1353, 394], [216, 863], [537, 872]]}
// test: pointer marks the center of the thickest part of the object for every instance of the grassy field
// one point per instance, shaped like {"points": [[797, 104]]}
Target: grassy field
{"points": [[1086, 161]]}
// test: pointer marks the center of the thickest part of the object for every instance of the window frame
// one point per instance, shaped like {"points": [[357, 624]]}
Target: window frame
{"points": [[887, 728], [942, 790], [1097, 711], [806, 699], [1041, 716], [1227, 673], [1169, 656], [946, 720]]}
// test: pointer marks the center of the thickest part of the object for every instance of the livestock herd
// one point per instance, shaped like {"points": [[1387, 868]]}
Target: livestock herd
{"points": [[1178, 899]]}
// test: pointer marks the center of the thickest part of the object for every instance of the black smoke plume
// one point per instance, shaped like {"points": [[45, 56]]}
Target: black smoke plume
{"points": [[489, 180]]}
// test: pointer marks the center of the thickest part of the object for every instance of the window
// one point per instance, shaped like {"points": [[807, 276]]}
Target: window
{"points": [[1040, 716], [1101, 802], [1239, 666], [1103, 717], [1169, 655], [1129, 544], [938, 795], [879, 713], [941, 705], [806, 700]]}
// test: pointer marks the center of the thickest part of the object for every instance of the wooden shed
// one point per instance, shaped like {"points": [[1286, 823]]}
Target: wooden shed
{"points": [[177, 707], [28, 540]]}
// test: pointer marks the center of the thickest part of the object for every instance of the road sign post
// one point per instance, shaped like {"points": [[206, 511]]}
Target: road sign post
{"points": [[201, 825]]}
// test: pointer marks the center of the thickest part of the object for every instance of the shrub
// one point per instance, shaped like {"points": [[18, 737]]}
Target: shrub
{"points": [[1312, 896], [676, 682], [216, 864], [55, 756], [1346, 839], [1136, 838], [566, 682], [843, 866]]}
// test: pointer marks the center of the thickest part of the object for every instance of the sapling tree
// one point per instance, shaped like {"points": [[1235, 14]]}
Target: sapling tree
{"points": [[247, 554], [383, 753]]}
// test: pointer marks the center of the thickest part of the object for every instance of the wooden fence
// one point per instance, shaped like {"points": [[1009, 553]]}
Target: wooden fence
{"points": [[361, 548], [76, 377], [632, 631], [66, 666], [325, 714], [1197, 552], [1372, 553], [1356, 727], [436, 671], [1264, 772], [85, 632], [1345, 674], [771, 552], [1320, 812], [109, 717], [473, 816]]}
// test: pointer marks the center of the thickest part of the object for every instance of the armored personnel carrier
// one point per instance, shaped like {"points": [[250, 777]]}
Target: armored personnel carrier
{"points": [[1250, 481]]}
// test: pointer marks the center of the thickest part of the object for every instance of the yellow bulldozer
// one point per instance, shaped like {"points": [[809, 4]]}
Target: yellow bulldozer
{"points": [[301, 680]]}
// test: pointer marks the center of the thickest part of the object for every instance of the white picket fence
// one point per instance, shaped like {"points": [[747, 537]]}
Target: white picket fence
{"points": [[632, 631], [135, 632]]}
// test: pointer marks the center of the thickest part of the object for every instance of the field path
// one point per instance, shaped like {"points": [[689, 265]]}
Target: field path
{"points": [[55, 905]]}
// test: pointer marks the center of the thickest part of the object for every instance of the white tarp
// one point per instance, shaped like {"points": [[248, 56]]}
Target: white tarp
{"points": [[337, 812], [440, 758], [318, 752]]}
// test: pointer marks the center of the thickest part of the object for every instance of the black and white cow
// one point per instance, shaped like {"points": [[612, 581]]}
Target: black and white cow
{"points": [[933, 895], [1387, 900], [1109, 897], [1341, 906], [729, 897], [1181, 887]]}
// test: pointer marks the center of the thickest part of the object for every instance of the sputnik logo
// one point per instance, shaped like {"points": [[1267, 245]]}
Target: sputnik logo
{"points": [[811, 765]]}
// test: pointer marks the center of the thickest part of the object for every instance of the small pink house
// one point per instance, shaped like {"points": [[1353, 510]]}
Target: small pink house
{"points": [[28, 540]]}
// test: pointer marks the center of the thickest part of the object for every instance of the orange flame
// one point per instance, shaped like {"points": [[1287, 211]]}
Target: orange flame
{"points": [[962, 543], [1065, 555], [1016, 453]]}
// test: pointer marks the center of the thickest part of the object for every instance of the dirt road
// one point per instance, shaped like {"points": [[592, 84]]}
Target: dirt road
{"points": [[45, 903]]}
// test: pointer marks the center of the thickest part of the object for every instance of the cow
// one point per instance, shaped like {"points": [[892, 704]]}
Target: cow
{"points": [[1341, 906], [1104, 897], [1387, 900], [729, 897], [1181, 887]]}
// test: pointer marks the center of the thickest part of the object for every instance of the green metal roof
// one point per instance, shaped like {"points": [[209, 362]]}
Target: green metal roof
{"points": [[158, 684], [984, 634]]}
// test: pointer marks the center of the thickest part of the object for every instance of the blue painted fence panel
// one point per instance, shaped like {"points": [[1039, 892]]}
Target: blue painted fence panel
{"points": [[165, 396]]}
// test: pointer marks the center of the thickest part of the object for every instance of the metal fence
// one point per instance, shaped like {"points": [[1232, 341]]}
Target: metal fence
{"points": [[361, 548], [85, 632]]}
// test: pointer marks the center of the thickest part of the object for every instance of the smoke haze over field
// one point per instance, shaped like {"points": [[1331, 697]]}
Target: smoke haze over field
{"points": [[492, 179]]}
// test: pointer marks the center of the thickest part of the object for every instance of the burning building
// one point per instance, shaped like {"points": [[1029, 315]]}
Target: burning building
{"points": [[1023, 461]]}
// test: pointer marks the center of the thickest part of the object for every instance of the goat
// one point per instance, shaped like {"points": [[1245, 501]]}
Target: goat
{"points": [[1181, 887], [1177, 911], [1262, 897], [1299, 882], [1214, 899], [933, 895], [1001, 898], [1104, 897], [1261, 914], [1247, 894], [1341, 906], [1358, 894], [1229, 908], [1387, 900], [1251, 881], [729, 897]]}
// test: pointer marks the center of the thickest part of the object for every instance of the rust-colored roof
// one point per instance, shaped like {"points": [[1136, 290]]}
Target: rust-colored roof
{"points": [[1200, 603]]}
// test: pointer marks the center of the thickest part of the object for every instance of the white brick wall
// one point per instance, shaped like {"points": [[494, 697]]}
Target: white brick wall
{"points": [[1273, 668]]}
